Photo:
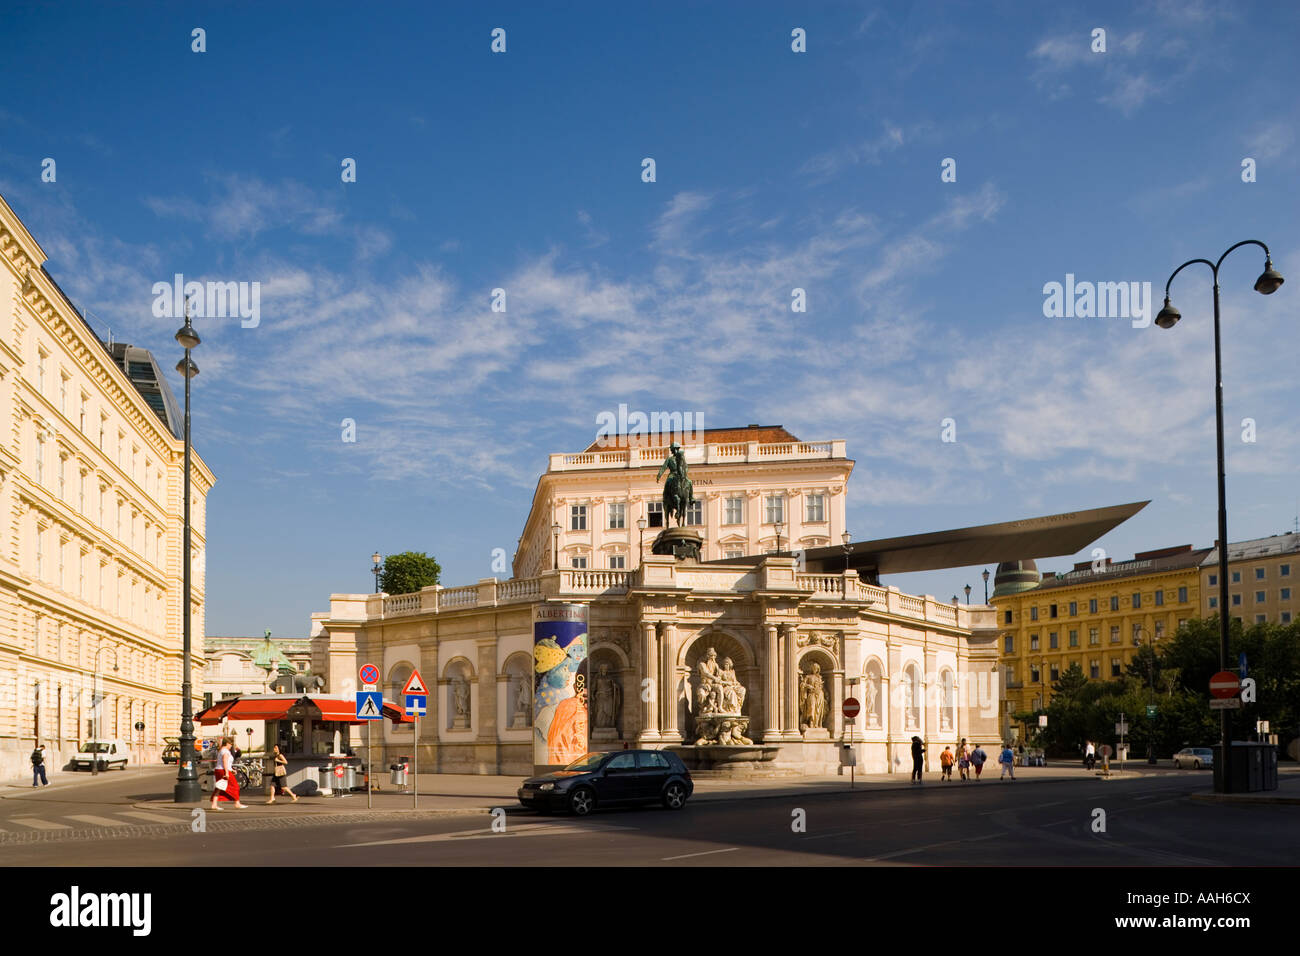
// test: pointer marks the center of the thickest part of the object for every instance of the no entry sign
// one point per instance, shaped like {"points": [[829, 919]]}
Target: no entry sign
{"points": [[851, 707], [1224, 685]]}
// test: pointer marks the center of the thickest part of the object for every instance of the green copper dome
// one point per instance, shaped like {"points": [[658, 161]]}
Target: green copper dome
{"points": [[1015, 576]]}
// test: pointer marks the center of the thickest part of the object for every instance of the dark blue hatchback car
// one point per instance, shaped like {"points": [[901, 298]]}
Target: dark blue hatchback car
{"points": [[616, 778]]}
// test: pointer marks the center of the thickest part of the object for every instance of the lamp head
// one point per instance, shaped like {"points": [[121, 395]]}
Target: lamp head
{"points": [[985, 575], [1168, 316], [187, 368], [641, 523], [186, 336], [1270, 280], [375, 559], [846, 538]]}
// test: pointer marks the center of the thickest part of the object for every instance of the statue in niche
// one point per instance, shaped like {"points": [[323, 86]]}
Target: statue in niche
{"points": [[523, 701], [873, 693], [608, 697], [708, 677], [733, 691], [812, 699], [460, 694]]}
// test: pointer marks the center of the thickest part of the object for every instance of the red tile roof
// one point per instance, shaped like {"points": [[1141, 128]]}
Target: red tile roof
{"points": [[765, 434]]}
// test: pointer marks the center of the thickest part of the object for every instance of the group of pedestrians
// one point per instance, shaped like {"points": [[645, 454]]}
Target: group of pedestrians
{"points": [[969, 762], [225, 785]]}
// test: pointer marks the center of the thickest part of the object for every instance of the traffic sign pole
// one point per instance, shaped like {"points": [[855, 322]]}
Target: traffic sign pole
{"points": [[370, 766], [415, 766]]}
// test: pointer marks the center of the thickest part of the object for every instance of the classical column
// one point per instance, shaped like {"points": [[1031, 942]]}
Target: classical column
{"points": [[836, 704], [670, 678], [649, 671], [772, 693], [791, 729]]}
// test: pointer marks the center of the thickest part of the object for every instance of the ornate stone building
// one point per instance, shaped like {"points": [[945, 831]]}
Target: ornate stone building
{"points": [[918, 666], [91, 477]]}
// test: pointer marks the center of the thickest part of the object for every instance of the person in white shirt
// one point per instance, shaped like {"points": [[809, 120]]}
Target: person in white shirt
{"points": [[225, 771]]}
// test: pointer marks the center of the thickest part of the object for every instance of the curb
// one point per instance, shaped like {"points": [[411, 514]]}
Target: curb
{"points": [[1243, 799]]}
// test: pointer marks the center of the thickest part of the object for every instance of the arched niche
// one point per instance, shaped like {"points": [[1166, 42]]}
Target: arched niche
{"points": [[727, 645], [458, 693], [873, 690], [815, 692], [947, 699], [518, 671]]}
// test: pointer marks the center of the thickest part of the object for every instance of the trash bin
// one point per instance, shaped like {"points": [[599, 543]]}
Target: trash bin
{"points": [[398, 774], [349, 781], [1254, 768], [326, 777]]}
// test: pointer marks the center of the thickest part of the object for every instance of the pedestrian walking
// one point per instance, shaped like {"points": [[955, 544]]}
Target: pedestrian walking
{"points": [[917, 750], [1008, 761], [279, 775], [1090, 755], [946, 760], [963, 760], [977, 759], [38, 766], [224, 785]]}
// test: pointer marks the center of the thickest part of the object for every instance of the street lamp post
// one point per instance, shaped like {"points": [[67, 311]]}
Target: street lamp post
{"points": [[1268, 282], [985, 576], [555, 546], [641, 526], [778, 537], [94, 679], [376, 561], [845, 538], [187, 778], [1151, 689], [967, 590]]}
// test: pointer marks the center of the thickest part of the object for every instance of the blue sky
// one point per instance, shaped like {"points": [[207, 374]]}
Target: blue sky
{"points": [[775, 170]]}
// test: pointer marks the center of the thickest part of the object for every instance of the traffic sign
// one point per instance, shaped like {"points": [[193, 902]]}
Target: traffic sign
{"points": [[1121, 729], [1226, 703], [415, 684], [851, 707], [1105, 750], [417, 705], [1225, 684], [338, 771], [369, 674], [1152, 710], [1241, 664], [370, 705], [1042, 720]]}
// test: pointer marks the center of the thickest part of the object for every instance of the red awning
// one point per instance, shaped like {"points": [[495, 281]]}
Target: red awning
{"points": [[278, 707]]}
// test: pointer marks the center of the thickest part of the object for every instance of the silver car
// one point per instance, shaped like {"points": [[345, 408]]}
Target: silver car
{"points": [[1194, 757]]}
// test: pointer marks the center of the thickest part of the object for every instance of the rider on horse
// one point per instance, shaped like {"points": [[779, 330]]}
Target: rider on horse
{"points": [[678, 492]]}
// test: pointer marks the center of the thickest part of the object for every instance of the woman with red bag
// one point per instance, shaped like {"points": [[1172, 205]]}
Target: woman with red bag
{"points": [[224, 784]]}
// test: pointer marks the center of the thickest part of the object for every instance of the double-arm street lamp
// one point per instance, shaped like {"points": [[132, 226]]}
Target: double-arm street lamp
{"points": [[187, 777], [1268, 283], [99, 702]]}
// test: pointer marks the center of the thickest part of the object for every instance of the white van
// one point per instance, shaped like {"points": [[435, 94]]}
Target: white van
{"points": [[108, 754]]}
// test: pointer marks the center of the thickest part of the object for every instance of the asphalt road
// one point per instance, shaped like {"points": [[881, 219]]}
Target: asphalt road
{"points": [[1148, 821]]}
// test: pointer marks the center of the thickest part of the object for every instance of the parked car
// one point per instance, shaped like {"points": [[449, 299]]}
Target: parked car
{"points": [[609, 779], [1194, 757], [172, 751], [106, 753]]}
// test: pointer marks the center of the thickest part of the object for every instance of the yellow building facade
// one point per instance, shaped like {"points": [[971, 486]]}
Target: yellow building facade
{"points": [[91, 486], [1096, 617], [1262, 580]]}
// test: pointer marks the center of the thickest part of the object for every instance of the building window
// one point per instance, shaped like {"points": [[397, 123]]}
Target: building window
{"points": [[1114, 602], [1055, 673], [1286, 617], [1008, 644], [1114, 634], [1160, 629], [1033, 642], [1137, 599], [577, 517], [1236, 577], [617, 562], [1137, 634], [40, 460], [735, 554], [40, 371], [1182, 595], [1160, 597], [655, 514], [1051, 611], [695, 513], [1008, 616], [1053, 641], [1182, 623], [1094, 636], [63, 394], [1094, 669], [1284, 570], [1259, 574], [815, 508], [1114, 667], [774, 509], [1074, 609], [1259, 597], [1286, 594], [733, 511], [1033, 674], [617, 514], [580, 563], [1092, 605], [1214, 579], [1214, 602], [1033, 614], [1260, 618], [1236, 600], [1074, 638]]}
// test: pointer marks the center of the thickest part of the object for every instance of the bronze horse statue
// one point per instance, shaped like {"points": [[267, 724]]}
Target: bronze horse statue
{"points": [[679, 494]]}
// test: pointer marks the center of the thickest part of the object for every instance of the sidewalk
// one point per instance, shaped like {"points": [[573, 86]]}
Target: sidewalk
{"points": [[474, 793]]}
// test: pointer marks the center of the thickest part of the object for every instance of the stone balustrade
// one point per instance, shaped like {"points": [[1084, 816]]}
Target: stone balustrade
{"points": [[730, 452]]}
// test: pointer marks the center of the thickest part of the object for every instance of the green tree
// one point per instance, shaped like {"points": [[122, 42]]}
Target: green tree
{"points": [[408, 572]]}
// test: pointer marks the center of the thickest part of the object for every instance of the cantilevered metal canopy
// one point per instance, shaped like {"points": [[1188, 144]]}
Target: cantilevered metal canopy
{"points": [[1045, 537]]}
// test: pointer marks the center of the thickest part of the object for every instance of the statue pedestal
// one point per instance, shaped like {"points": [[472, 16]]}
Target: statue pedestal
{"points": [[519, 721], [460, 723], [604, 733], [722, 729], [679, 542], [816, 733]]}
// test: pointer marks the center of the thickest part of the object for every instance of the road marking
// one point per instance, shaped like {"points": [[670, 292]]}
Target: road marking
{"points": [[483, 833], [929, 846], [917, 823], [1056, 823], [1054, 803], [36, 824], [96, 821], [153, 817], [826, 836], [686, 856]]}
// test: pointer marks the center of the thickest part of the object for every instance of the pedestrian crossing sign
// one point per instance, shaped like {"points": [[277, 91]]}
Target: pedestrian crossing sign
{"points": [[370, 705]]}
